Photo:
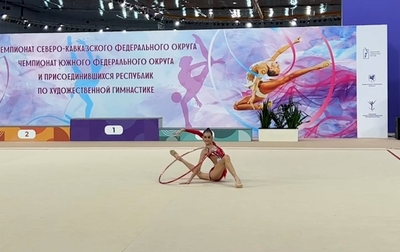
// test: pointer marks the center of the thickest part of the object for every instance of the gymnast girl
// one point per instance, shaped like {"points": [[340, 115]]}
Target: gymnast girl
{"points": [[222, 162]]}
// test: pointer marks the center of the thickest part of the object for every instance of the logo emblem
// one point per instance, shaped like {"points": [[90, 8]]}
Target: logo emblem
{"points": [[371, 105], [371, 78], [365, 53]]}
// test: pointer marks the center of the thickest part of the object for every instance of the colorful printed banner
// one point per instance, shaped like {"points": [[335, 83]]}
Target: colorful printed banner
{"points": [[202, 78]]}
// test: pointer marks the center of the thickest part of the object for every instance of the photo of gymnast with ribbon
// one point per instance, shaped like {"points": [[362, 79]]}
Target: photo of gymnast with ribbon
{"points": [[261, 87]]}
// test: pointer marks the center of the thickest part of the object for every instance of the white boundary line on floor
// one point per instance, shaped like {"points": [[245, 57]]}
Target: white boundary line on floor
{"points": [[188, 148]]}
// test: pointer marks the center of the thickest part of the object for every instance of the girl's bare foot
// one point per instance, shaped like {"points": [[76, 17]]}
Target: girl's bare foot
{"points": [[238, 183], [175, 154], [323, 64]]}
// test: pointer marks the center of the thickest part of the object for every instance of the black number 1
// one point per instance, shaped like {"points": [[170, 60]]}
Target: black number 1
{"points": [[113, 129]]}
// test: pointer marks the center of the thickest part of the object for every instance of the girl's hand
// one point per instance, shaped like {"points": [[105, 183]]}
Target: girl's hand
{"points": [[185, 183], [179, 132]]}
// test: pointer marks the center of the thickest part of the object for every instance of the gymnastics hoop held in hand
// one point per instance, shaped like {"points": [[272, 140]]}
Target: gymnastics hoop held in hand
{"points": [[173, 162]]}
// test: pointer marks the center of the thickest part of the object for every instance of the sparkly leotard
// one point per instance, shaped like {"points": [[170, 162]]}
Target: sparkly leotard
{"points": [[217, 151], [214, 151]]}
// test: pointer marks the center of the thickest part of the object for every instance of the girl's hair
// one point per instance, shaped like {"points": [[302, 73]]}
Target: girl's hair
{"points": [[209, 131]]}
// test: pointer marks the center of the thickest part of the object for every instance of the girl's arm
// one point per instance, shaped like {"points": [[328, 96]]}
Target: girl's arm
{"points": [[283, 49], [195, 132], [192, 131]]}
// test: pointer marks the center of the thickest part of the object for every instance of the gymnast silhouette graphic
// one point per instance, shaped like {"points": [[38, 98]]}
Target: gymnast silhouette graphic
{"points": [[192, 84], [84, 83]]}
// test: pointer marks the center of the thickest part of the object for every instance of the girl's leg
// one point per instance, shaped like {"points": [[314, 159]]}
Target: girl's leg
{"points": [[202, 76], [243, 101], [185, 110], [190, 166], [267, 87], [243, 105], [219, 168]]}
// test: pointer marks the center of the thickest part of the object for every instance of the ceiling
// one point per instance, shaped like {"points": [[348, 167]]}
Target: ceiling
{"points": [[179, 9]]}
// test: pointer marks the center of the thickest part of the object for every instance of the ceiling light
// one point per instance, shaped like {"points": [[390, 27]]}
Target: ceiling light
{"points": [[248, 3], [235, 13], [308, 10], [59, 28], [4, 16], [46, 27], [251, 13], [249, 25], [322, 8], [286, 11], [101, 4], [210, 13], [238, 13], [271, 12]]}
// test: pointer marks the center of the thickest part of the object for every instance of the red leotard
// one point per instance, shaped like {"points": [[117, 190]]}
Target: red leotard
{"points": [[215, 151]]}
